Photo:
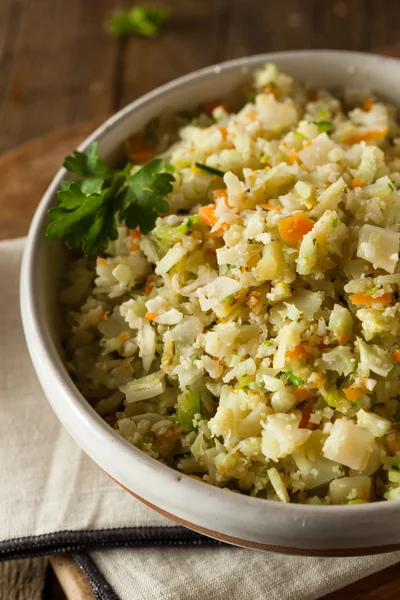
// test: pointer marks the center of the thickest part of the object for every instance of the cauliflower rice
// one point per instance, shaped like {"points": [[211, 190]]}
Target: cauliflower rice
{"points": [[252, 339]]}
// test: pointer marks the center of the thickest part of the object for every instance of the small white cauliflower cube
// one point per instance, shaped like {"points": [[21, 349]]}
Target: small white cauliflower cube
{"points": [[379, 246], [330, 198], [173, 256], [317, 152], [282, 436], [339, 359], [278, 485], [350, 488], [377, 425], [326, 237], [374, 358], [144, 388], [212, 295], [349, 444]]}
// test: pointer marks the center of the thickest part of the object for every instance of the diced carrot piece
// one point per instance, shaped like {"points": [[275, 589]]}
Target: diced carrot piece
{"points": [[222, 469], [358, 182], [297, 352], [307, 144], [319, 380], [365, 136], [135, 234], [141, 151], [370, 300], [223, 131], [133, 246], [123, 336], [222, 193], [305, 417], [271, 207], [303, 394], [343, 339], [293, 229], [352, 393], [150, 316], [396, 355], [367, 105], [293, 156], [148, 287], [207, 214], [208, 107], [104, 316], [101, 261]]}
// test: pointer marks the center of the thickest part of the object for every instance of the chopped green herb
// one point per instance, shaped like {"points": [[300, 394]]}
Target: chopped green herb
{"points": [[323, 126], [228, 299], [293, 379], [139, 285], [210, 170], [372, 291], [147, 21], [353, 403], [188, 407], [391, 187], [267, 343], [335, 222], [169, 168], [87, 210], [395, 467], [263, 474], [251, 98]]}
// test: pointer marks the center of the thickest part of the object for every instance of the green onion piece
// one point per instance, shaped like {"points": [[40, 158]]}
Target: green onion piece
{"points": [[139, 285], [323, 126], [372, 291], [188, 407], [395, 467], [267, 343], [391, 186], [335, 222], [293, 379], [210, 170], [228, 299]]}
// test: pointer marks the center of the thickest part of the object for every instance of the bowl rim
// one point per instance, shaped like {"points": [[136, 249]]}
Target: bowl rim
{"points": [[43, 351]]}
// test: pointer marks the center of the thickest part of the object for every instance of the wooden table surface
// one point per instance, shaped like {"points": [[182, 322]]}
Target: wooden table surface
{"points": [[61, 73]]}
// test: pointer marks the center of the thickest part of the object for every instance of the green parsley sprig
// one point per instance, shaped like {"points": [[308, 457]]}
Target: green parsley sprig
{"points": [[89, 209], [146, 21]]}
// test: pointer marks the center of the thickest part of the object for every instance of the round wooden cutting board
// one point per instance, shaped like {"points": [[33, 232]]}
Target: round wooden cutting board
{"points": [[26, 171]]}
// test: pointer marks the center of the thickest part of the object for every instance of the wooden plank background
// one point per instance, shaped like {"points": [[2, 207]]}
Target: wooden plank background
{"points": [[60, 68]]}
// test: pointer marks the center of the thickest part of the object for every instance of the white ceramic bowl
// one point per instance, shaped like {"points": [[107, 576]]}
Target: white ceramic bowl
{"points": [[238, 519]]}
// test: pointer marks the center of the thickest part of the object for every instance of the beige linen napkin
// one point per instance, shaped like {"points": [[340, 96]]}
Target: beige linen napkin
{"points": [[52, 495]]}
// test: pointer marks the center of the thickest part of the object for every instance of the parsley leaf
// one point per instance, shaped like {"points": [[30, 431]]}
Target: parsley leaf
{"points": [[145, 193], [88, 165], [147, 21], [88, 209]]}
